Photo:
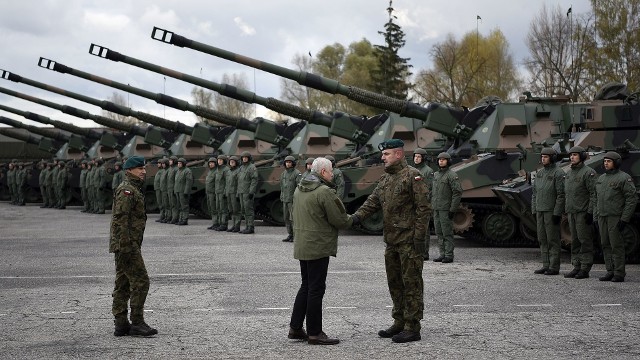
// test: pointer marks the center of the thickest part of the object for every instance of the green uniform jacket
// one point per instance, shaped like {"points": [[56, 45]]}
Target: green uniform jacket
{"points": [[231, 183], [580, 189], [616, 195], [446, 190], [83, 178], [41, 177], [21, 178], [288, 182], [338, 180], [210, 182], [162, 179], [100, 177], [118, 178], [53, 176], [427, 176], [247, 179], [548, 190], [128, 218], [171, 178], [402, 196], [156, 180], [62, 180], [184, 181], [221, 179], [318, 215], [11, 176]]}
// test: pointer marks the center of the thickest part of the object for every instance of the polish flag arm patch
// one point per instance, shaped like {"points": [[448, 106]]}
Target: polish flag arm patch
{"points": [[128, 193]]}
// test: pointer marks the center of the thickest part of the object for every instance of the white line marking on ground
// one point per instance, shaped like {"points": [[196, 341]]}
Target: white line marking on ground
{"points": [[67, 312], [3, 314], [274, 308], [468, 305], [594, 305], [145, 310], [208, 309], [341, 307], [533, 305]]}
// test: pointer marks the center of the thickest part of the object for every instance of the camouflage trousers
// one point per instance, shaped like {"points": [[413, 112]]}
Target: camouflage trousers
{"points": [[287, 207], [549, 239], [213, 210], [613, 247], [444, 230], [131, 285], [223, 211], [233, 206], [581, 241], [404, 278], [246, 209]]}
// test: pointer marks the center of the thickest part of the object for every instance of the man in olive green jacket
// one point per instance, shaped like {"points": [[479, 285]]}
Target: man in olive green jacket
{"points": [[210, 191], [288, 181], [182, 190], [547, 204], [616, 203], [445, 200], [247, 186], [318, 216]]}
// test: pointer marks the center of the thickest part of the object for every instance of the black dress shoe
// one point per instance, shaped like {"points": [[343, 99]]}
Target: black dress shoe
{"points": [[406, 336], [390, 332], [438, 259], [541, 271], [572, 273], [322, 339], [551, 272], [297, 334], [447, 260], [582, 274], [617, 278], [606, 277], [288, 239]]}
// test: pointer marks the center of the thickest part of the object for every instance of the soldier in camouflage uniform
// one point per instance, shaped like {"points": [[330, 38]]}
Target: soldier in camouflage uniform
{"points": [[233, 199], [420, 161], [247, 185], [51, 183], [43, 184], [210, 190], [62, 184], [162, 183], [99, 185], [21, 184], [11, 181], [338, 177], [402, 196], [288, 182], [547, 204], [171, 181], [580, 195], [445, 201], [183, 183], [83, 185], [128, 221], [157, 188], [220, 181], [118, 175], [615, 204]]}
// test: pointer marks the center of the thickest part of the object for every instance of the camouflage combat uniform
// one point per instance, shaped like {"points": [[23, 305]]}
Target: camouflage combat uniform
{"points": [[247, 186], [547, 202], [52, 180], [128, 221], [615, 204], [427, 177], [83, 186], [402, 196], [580, 196], [62, 184]]}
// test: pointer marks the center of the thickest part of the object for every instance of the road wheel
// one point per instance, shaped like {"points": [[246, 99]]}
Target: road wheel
{"points": [[500, 227]]}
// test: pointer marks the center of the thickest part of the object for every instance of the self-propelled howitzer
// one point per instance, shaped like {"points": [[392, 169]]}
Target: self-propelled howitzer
{"points": [[30, 139]]}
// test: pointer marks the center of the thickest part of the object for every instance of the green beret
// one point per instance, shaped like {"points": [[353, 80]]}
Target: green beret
{"points": [[134, 162], [391, 144]]}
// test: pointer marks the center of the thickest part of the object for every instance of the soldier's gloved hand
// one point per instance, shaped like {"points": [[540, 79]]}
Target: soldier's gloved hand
{"points": [[555, 219], [621, 225], [250, 196], [451, 215], [419, 246], [588, 218], [355, 219]]}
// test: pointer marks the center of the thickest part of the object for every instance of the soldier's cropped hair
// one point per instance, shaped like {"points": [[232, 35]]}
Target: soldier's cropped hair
{"points": [[321, 163]]}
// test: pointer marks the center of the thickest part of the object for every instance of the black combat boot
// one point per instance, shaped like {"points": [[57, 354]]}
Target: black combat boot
{"points": [[582, 274], [212, 227], [391, 331], [288, 239], [222, 227], [247, 230], [122, 326], [142, 329], [572, 273], [607, 277], [406, 336], [447, 260], [540, 271], [438, 259]]}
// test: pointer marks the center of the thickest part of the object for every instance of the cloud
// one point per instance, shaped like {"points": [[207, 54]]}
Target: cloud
{"points": [[112, 22], [244, 27]]}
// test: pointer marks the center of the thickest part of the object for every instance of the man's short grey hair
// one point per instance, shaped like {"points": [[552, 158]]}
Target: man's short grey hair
{"points": [[321, 163]]}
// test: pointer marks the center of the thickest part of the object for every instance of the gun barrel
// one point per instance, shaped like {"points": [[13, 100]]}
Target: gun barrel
{"points": [[48, 133]]}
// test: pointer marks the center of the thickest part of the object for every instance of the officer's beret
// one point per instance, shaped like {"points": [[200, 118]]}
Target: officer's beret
{"points": [[134, 162], [391, 144]]}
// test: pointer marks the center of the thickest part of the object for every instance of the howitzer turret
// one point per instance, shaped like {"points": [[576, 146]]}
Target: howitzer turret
{"points": [[49, 133], [437, 117], [30, 139]]}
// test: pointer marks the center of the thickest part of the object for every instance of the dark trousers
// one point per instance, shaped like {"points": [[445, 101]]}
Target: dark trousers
{"points": [[309, 299]]}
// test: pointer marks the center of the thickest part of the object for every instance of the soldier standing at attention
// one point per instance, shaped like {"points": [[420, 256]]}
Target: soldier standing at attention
{"points": [[184, 181], [99, 183], [288, 182], [247, 184], [21, 183], [164, 201], [53, 179], [318, 216], [11, 181], [171, 182], [41, 184], [221, 194], [83, 185], [233, 199], [420, 161], [338, 177], [210, 190], [580, 195], [445, 200], [118, 176], [615, 204], [547, 204], [128, 220], [401, 194], [157, 187], [307, 166]]}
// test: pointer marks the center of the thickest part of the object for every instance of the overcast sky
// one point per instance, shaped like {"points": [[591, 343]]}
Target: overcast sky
{"points": [[272, 31]]}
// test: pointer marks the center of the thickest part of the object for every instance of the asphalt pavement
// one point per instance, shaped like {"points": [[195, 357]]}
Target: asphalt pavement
{"points": [[229, 296]]}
